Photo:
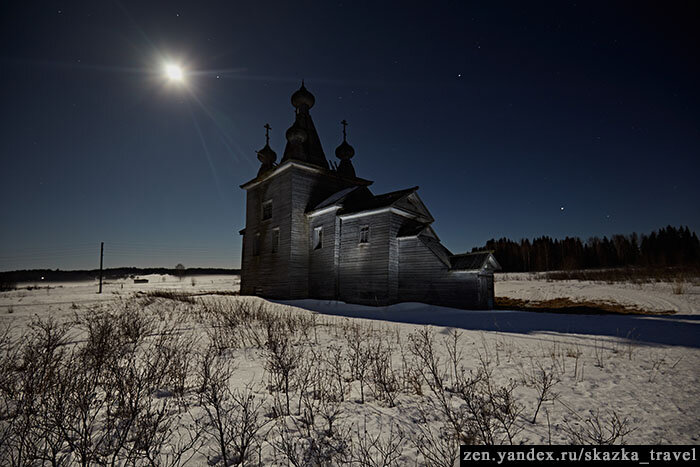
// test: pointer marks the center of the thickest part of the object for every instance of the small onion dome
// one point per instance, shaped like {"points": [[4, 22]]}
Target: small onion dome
{"points": [[302, 97], [266, 155], [344, 152], [296, 134]]}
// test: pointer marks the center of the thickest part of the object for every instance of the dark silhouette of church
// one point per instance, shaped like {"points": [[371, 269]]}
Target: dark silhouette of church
{"points": [[315, 230]]}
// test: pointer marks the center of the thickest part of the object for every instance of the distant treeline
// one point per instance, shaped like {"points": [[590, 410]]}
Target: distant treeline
{"points": [[56, 275], [667, 247]]}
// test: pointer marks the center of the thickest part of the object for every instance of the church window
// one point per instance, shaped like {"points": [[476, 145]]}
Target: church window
{"points": [[317, 240], [275, 240], [364, 234], [267, 210]]}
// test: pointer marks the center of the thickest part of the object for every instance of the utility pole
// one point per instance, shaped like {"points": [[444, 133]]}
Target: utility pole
{"points": [[102, 251]]}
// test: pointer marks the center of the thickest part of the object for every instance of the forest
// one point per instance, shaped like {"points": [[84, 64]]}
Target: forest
{"points": [[667, 247]]}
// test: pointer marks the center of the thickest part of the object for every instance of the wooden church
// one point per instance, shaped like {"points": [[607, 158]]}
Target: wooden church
{"points": [[314, 229]]}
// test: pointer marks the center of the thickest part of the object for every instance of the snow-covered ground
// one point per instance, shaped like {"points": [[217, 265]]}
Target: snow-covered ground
{"points": [[59, 298], [650, 296], [642, 369]]}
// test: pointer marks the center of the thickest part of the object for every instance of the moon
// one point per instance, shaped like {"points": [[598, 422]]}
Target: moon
{"points": [[174, 72]]}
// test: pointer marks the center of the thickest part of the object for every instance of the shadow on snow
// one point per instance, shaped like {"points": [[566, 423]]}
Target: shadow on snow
{"points": [[679, 330]]}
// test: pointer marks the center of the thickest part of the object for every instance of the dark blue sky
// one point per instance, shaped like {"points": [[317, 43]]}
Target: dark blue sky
{"points": [[503, 113]]}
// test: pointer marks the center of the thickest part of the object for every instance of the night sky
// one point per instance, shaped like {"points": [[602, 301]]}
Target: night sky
{"points": [[516, 119]]}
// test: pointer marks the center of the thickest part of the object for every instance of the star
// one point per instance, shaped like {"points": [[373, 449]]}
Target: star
{"points": [[561, 208]]}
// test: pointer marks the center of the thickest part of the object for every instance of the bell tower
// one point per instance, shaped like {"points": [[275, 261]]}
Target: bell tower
{"points": [[277, 238]]}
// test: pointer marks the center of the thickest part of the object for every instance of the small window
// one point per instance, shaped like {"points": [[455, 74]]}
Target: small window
{"points": [[275, 240], [267, 210], [364, 234], [317, 241], [256, 245]]}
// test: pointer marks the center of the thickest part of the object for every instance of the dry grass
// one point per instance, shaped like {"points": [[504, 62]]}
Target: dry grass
{"points": [[566, 305], [171, 295], [637, 275], [679, 286]]}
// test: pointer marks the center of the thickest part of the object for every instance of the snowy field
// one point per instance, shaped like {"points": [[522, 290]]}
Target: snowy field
{"points": [[154, 377], [651, 296]]}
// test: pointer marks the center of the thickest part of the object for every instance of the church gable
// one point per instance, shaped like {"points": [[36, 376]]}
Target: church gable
{"points": [[413, 204]]}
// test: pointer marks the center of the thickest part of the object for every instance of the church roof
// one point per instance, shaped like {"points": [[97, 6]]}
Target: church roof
{"points": [[305, 166], [303, 143], [360, 204], [335, 199], [473, 261], [360, 198]]}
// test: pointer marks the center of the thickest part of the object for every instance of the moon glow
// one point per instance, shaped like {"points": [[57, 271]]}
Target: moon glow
{"points": [[174, 72]]}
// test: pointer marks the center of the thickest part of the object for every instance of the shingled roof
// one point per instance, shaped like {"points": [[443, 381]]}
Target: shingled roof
{"points": [[473, 261], [376, 202], [310, 150], [359, 199], [336, 199]]}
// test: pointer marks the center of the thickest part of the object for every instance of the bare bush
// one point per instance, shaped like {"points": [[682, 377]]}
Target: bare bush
{"points": [[336, 365], [234, 419], [543, 380], [422, 346], [598, 430], [384, 449], [164, 439], [384, 379], [505, 409], [30, 369], [94, 402], [478, 410], [282, 358], [359, 356], [316, 448], [439, 447]]}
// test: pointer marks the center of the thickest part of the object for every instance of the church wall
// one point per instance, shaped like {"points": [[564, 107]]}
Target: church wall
{"points": [[308, 190], [395, 223], [322, 262], [363, 268], [424, 278], [267, 274], [419, 271]]}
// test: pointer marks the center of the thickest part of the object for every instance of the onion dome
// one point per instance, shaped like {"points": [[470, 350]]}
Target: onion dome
{"points": [[344, 152], [295, 134], [266, 155], [303, 98]]}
